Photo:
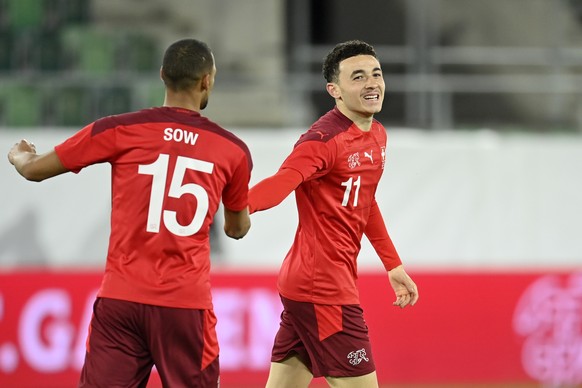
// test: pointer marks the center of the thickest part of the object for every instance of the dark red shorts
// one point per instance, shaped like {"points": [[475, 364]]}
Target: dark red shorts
{"points": [[331, 340], [127, 339]]}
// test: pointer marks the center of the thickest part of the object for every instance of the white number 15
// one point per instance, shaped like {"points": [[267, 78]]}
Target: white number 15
{"points": [[159, 172]]}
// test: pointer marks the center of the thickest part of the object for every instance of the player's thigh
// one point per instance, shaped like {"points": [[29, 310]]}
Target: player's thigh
{"points": [[335, 338], [184, 346], [116, 354], [366, 381], [289, 373]]}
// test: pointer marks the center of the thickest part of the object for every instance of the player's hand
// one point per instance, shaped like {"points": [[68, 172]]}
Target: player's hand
{"points": [[22, 146], [404, 288]]}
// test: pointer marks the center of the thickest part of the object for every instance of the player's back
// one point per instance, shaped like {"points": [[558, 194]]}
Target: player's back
{"points": [[170, 168]]}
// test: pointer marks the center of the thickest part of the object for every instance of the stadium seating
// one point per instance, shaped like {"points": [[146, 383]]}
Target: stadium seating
{"points": [[6, 41], [55, 60], [113, 100], [21, 105], [91, 51], [71, 106], [140, 53], [25, 14]]}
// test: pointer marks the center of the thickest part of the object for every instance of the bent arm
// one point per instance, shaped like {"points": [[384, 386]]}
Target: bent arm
{"points": [[236, 223], [273, 190], [32, 166]]}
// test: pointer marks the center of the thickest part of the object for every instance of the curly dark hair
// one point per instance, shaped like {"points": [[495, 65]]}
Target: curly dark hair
{"points": [[185, 63], [342, 51]]}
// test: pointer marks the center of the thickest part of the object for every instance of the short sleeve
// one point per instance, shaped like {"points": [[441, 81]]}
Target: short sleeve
{"points": [[236, 192], [86, 148]]}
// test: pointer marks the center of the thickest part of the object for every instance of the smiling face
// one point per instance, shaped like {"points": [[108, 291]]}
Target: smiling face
{"points": [[359, 90]]}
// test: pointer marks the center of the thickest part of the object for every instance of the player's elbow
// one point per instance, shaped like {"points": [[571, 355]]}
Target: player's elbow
{"points": [[238, 230], [236, 223]]}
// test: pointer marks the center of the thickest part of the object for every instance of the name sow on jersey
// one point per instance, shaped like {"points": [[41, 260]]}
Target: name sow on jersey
{"points": [[180, 135]]}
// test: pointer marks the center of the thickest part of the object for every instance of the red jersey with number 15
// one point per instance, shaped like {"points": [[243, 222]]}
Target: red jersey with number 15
{"points": [[170, 169], [341, 166]]}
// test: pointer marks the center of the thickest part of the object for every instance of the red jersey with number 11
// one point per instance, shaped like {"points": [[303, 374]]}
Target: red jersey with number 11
{"points": [[341, 166], [170, 169]]}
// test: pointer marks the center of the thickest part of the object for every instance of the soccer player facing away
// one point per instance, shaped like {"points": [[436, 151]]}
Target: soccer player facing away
{"points": [[334, 169], [170, 168]]}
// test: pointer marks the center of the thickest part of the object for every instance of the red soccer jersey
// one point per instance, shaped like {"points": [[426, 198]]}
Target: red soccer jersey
{"points": [[170, 169], [341, 167]]}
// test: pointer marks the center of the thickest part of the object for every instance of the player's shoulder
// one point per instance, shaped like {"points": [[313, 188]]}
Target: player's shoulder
{"points": [[378, 127], [222, 136], [125, 119], [327, 127], [377, 123], [206, 124], [167, 115]]}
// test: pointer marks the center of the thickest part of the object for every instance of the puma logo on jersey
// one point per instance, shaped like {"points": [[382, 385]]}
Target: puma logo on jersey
{"points": [[369, 156], [357, 356], [320, 134]]}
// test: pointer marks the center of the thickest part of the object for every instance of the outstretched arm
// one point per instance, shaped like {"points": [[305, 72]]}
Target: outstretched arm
{"points": [[273, 190], [32, 166]]}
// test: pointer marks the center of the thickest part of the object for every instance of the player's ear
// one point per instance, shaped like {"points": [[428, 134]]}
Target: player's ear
{"points": [[333, 90], [205, 82]]}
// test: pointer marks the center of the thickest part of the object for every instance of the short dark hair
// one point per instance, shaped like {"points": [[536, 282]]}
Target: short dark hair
{"points": [[342, 51], [185, 63]]}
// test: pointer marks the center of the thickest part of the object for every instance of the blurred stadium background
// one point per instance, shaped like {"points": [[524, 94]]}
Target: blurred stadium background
{"points": [[482, 192]]}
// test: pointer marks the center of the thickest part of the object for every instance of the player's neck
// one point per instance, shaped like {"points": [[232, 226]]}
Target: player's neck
{"points": [[364, 123], [182, 100]]}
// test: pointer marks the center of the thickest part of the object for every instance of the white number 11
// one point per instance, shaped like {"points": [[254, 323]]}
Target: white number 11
{"points": [[159, 172], [348, 184]]}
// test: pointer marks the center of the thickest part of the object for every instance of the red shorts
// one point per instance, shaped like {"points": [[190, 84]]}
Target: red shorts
{"points": [[331, 340], [127, 339]]}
